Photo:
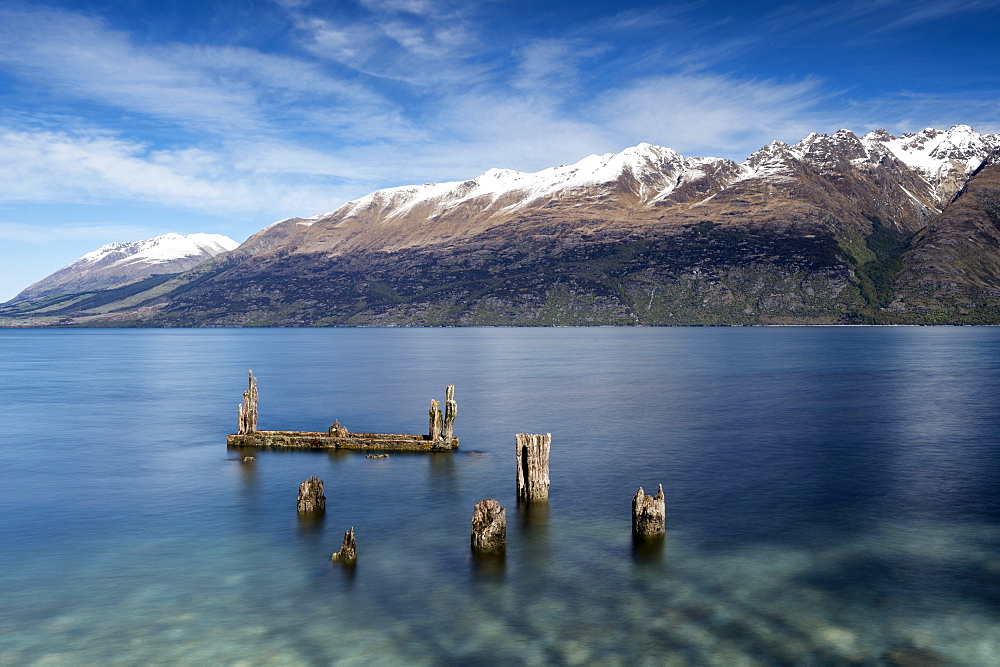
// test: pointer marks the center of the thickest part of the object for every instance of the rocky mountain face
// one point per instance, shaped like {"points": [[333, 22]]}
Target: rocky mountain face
{"points": [[117, 264], [835, 228], [951, 272]]}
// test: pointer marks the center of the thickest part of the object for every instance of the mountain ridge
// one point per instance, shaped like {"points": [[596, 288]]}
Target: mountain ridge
{"points": [[813, 232], [116, 264]]}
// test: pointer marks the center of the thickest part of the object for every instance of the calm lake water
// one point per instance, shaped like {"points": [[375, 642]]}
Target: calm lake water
{"points": [[833, 496]]}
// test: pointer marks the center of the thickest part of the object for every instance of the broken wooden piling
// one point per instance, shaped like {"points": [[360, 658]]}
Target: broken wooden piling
{"points": [[489, 526], [311, 495], [248, 409], [450, 412], [533, 466], [348, 549], [435, 426], [649, 513]]}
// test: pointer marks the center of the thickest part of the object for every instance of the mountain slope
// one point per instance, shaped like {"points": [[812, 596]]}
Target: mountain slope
{"points": [[827, 230], [117, 264], [952, 270]]}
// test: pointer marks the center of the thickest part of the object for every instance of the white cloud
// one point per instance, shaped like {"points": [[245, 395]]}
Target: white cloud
{"points": [[415, 42], [422, 8], [866, 19], [90, 168], [52, 233], [77, 56], [291, 136], [709, 114], [549, 66], [215, 89]]}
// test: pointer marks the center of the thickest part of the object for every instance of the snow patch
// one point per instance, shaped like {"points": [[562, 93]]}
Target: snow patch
{"points": [[656, 171], [161, 249]]}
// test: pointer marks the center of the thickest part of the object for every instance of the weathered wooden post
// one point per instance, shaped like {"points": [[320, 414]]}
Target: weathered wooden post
{"points": [[435, 421], [450, 412], [348, 550], [489, 527], [248, 409], [533, 466], [649, 513], [311, 496], [338, 431]]}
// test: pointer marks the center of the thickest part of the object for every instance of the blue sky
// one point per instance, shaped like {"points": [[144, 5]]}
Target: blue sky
{"points": [[124, 120]]}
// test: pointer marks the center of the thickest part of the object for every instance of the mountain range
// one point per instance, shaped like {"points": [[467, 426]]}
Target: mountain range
{"points": [[833, 229]]}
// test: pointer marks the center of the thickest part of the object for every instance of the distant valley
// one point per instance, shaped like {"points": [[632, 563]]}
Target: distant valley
{"points": [[835, 229]]}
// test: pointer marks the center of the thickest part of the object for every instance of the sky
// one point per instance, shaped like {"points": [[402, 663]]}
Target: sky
{"points": [[123, 120]]}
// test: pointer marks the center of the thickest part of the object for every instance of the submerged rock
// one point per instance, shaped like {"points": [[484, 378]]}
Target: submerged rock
{"points": [[912, 656]]}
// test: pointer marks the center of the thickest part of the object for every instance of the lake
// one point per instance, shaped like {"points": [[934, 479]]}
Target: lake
{"points": [[833, 496]]}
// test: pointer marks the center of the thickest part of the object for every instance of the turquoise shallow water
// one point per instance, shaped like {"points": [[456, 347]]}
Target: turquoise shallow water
{"points": [[833, 496]]}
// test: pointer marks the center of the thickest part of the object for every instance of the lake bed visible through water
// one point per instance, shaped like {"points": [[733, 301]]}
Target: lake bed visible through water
{"points": [[833, 496]]}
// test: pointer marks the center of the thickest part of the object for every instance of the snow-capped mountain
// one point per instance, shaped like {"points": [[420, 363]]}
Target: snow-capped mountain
{"points": [[943, 158], [163, 249], [652, 172], [916, 172], [119, 263], [613, 185], [815, 231]]}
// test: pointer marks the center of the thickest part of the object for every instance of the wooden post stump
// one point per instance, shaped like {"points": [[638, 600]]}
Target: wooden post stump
{"points": [[649, 513], [450, 412], [435, 421], [533, 466], [348, 550], [311, 496], [248, 409], [489, 526]]}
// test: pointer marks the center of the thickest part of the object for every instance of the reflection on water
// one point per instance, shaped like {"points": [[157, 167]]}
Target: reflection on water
{"points": [[832, 498], [648, 549], [311, 523], [488, 567]]}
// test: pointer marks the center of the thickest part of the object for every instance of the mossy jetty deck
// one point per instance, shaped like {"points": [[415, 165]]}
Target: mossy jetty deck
{"points": [[323, 440], [440, 436]]}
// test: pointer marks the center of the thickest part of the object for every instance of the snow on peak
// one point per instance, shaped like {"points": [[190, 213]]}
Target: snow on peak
{"points": [[940, 156], [653, 172], [770, 160], [937, 152], [653, 167], [161, 249]]}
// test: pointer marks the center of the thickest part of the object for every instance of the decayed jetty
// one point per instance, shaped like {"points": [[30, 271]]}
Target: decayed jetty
{"points": [[440, 435]]}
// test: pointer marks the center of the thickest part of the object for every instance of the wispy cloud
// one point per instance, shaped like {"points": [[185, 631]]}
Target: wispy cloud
{"points": [[910, 111], [867, 18], [393, 92], [730, 112], [53, 233], [413, 41], [218, 90], [77, 57], [97, 167], [912, 13]]}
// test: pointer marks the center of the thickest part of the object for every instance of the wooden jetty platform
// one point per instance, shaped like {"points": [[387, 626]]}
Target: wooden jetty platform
{"points": [[322, 440], [440, 436]]}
